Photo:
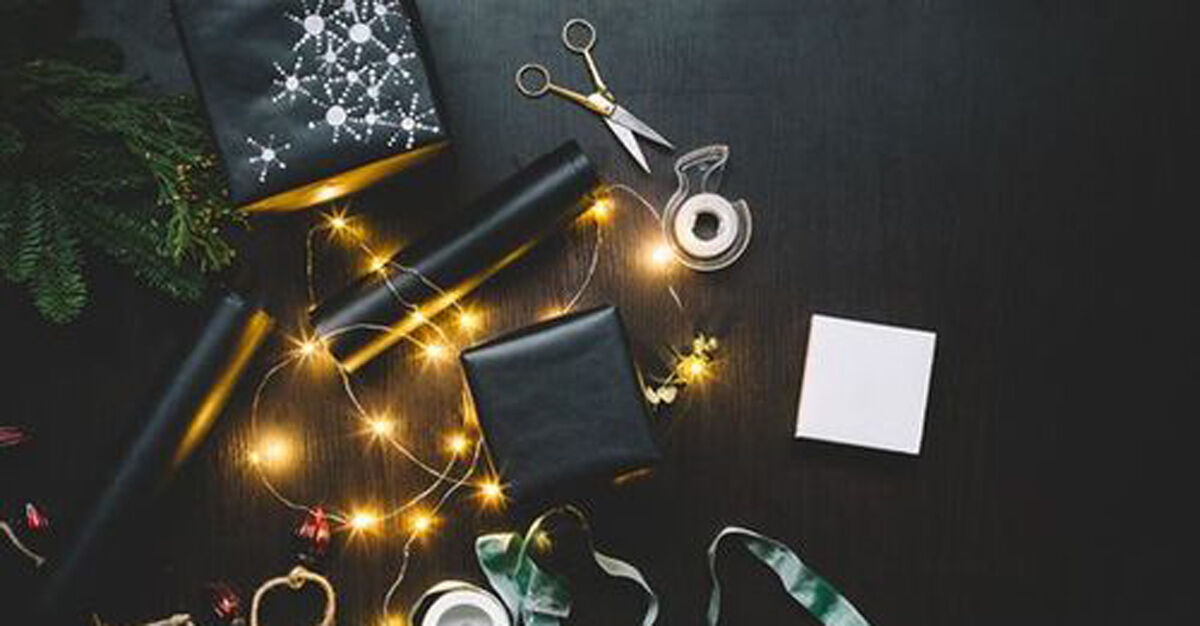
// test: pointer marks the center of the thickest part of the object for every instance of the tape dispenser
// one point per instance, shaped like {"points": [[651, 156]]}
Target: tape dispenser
{"points": [[705, 230]]}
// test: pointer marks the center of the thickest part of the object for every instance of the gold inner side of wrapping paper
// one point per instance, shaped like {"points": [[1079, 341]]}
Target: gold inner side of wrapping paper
{"points": [[347, 182]]}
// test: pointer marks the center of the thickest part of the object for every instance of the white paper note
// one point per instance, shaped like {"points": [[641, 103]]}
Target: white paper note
{"points": [[865, 384]]}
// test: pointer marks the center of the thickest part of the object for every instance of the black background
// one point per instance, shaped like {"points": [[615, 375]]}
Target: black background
{"points": [[1009, 174]]}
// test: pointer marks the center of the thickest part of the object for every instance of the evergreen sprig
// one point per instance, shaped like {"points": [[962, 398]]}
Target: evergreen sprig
{"points": [[88, 158]]}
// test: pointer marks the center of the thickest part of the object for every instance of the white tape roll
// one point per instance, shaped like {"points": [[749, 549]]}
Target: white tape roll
{"points": [[686, 223], [466, 607]]}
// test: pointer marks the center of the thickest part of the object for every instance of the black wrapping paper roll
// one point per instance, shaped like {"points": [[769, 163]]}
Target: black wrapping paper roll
{"points": [[174, 424], [492, 232]]}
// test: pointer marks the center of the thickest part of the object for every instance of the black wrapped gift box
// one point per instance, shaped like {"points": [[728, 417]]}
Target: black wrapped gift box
{"points": [[312, 99], [560, 404]]}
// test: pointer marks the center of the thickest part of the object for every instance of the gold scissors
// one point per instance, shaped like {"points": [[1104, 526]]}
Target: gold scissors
{"points": [[533, 81]]}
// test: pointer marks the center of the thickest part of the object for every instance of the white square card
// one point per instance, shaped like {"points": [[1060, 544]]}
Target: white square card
{"points": [[865, 384]]}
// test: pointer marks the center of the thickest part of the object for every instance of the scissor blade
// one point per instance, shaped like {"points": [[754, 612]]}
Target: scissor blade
{"points": [[625, 136], [622, 116]]}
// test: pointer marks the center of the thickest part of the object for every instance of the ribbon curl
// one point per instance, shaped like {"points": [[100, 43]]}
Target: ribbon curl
{"points": [[539, 598], [804, 585], [536, 597]]}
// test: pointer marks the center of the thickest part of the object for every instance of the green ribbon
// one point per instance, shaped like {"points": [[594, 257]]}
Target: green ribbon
{"points": [[802, 583], [534, 596], [539, 598]]}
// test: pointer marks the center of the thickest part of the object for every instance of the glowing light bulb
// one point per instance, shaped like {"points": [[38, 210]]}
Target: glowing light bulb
{"points": [[273, 452], [435, 351], [553, 312], [377, 263], [696, 367], [491, 491], [468, 320], [660, 255], [363, 520], [601, 209], [338, 221], [307, 347], [421, 523], [457, 443], [380, 426]]}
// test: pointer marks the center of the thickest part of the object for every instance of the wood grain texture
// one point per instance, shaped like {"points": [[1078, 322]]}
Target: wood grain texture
{"points": [[1005, 173]]}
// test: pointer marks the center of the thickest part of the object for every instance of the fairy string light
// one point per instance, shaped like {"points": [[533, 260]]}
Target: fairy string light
{"points": [[464, 446]]}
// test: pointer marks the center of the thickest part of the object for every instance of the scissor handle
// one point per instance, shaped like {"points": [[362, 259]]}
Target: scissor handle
{"points": [[584, 47], [587, 43], [533, 70]]}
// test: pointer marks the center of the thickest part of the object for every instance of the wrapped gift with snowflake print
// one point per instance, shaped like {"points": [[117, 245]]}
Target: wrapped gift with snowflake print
{"points": [[310, 100]]}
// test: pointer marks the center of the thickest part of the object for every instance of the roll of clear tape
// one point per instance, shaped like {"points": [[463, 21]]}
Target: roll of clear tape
{"points": [[458, 603], [705, 230]]}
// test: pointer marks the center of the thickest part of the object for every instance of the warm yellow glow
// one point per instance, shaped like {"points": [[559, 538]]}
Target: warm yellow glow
{"points": [[380, 426], [468, 320], [346, 182], [660, 255], [337, 221], [421, 523], [491, 491], [393, 620], [553, 312], [601, 209], [206, 415], [273, 452], [307, 347], [377, 263], [457, 443], [542, 541], [418, 317], [436, 351], [693, 367], [363, 520]]}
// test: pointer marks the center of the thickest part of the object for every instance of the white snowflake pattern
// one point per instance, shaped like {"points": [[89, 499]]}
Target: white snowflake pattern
{"points": [[411, 122], [267, 155], [349, 71], [292, 85]]}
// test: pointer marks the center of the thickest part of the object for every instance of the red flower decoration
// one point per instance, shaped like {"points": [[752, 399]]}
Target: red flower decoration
{"points": [[35, 520], [224, 601], [10, 436], [315, 533]]}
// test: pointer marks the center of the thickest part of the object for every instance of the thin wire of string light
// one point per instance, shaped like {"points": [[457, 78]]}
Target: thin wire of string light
{"points": [[7, 531], [446, 479], [658, 220]]}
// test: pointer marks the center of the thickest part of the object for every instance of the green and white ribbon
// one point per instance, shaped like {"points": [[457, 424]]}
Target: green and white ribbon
{"points": [[538, 598], [805, 586]]}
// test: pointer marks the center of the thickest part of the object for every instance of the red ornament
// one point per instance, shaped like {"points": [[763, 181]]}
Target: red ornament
{"points": [[225, 603], [10, 436], [315, 533], [35, 520]]}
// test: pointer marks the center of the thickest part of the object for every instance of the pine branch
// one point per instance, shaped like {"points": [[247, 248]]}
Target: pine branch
{"points": [[129, 173]]}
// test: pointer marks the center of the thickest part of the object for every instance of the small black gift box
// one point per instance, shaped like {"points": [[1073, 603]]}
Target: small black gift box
{"points": [[560, 404], [311, 99]]}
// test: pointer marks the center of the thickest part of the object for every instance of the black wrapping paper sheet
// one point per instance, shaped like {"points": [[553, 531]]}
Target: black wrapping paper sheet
{"points": [[176, 421], [561, 406], [310, 101], [477, 242]]}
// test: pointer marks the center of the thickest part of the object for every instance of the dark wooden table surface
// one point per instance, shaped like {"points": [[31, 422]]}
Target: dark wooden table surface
{"points": [[989, 170]]}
